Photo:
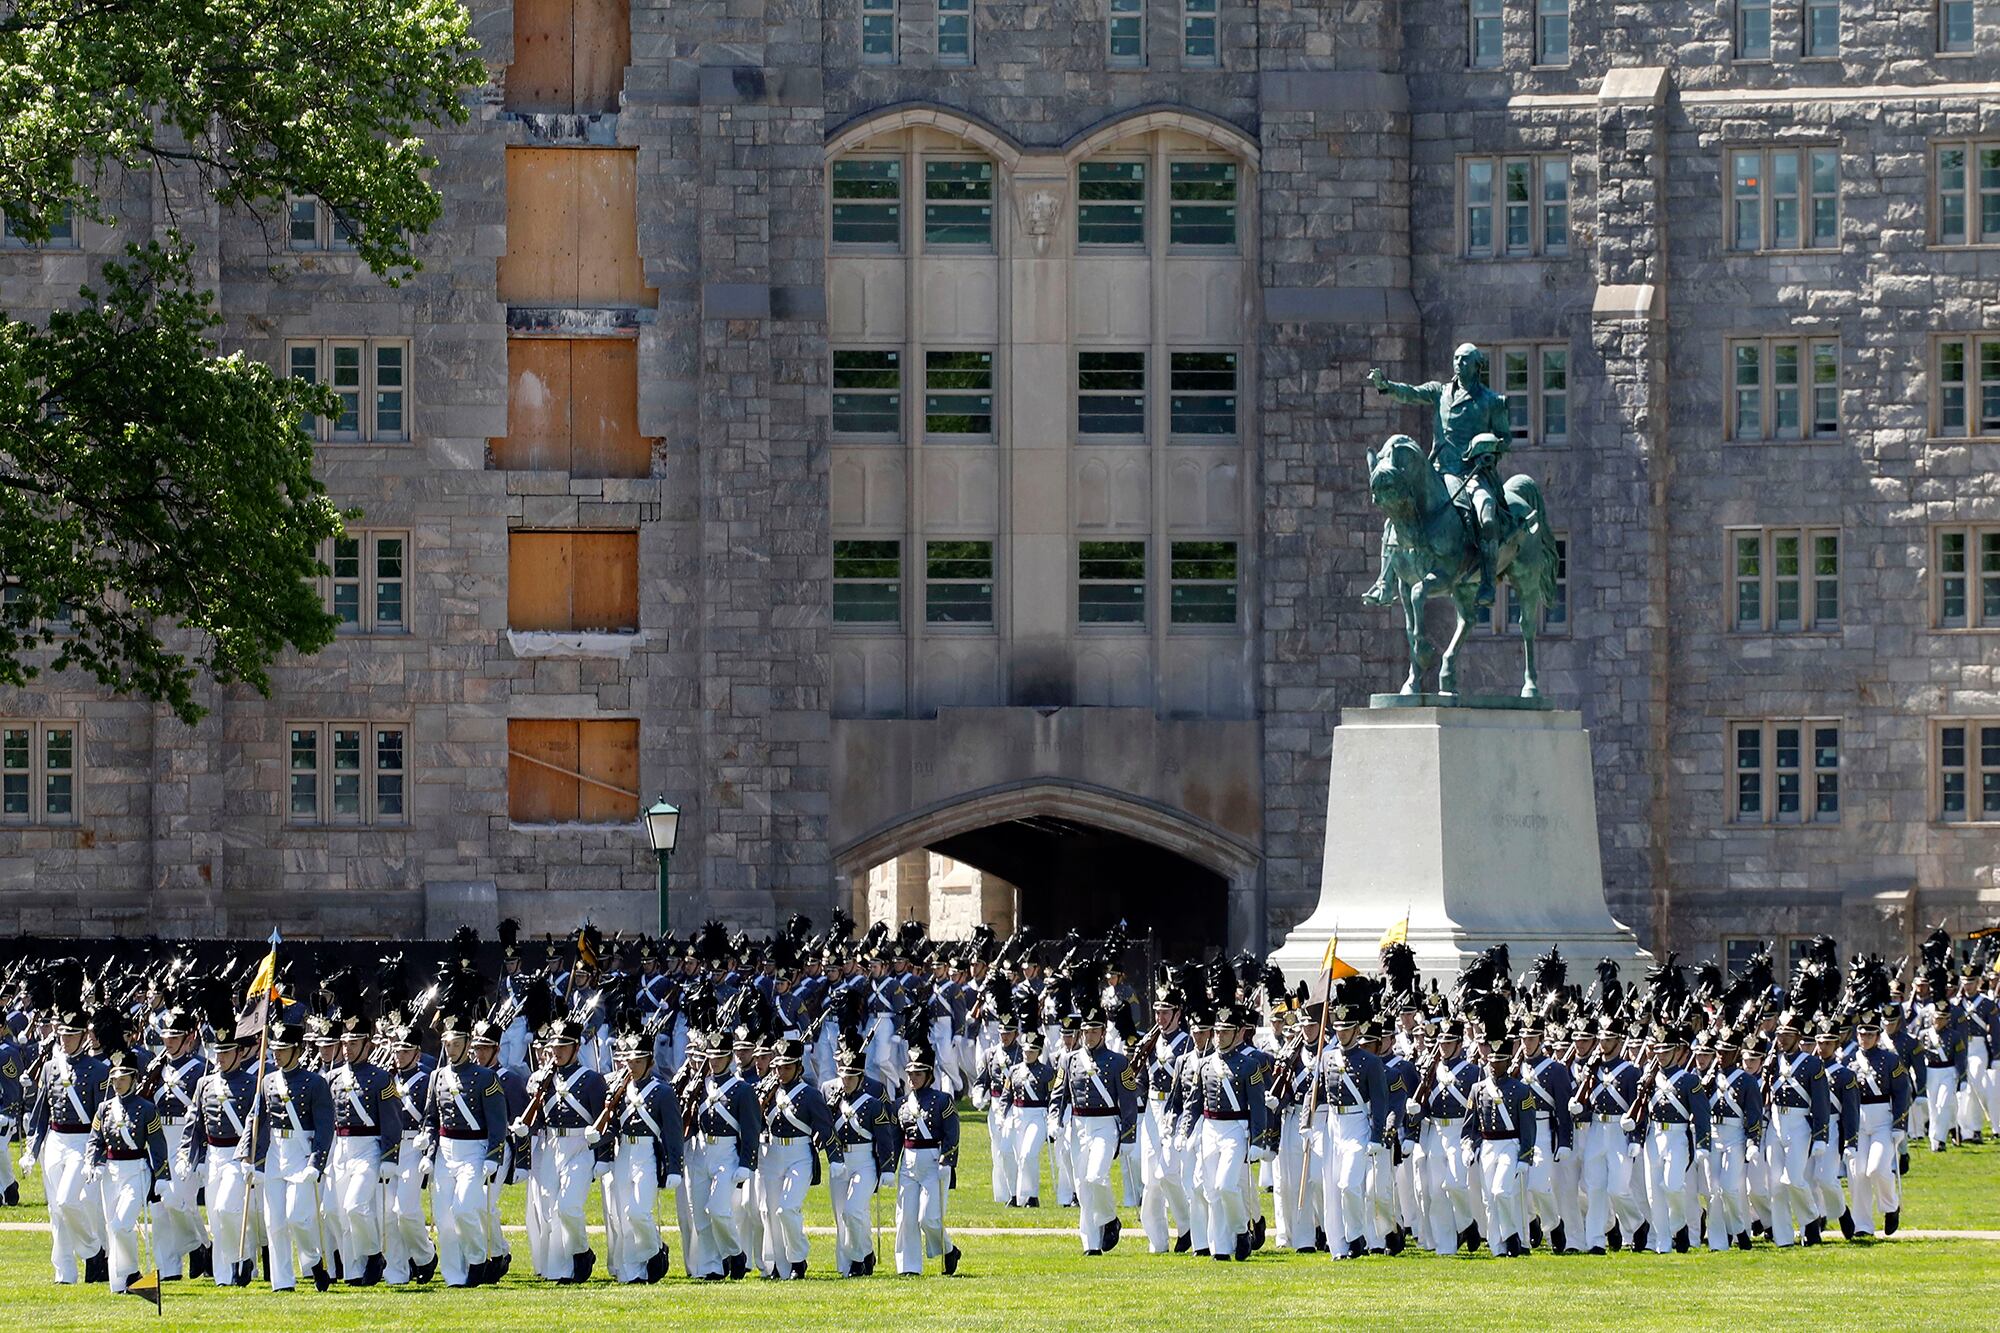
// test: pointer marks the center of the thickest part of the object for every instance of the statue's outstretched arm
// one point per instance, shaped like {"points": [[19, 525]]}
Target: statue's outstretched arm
{"points": [[1404, 393]]}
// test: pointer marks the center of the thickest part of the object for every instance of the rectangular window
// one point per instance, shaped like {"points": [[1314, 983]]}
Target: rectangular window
{"points": [[347, 773], [1202, 583], [878, 32], [1753, 29], [38, 772], [570, 581], [868, 392], [568, 771], [1534, 206], [1535, 380], [958, 394], [1822, 36], [1483, 40], [1968, 387], [1968, 769], [313, 226], [1784, 199], [1784, 580], [1111, 203], [1784, 388], [1201, 401], [1787, 772], [1955, 26], [365, 585], [1199, 47], [1968, 194], [867, 583], [1111, 393], [62, 232], [1111, 583], [369, 377], [958, 203], [958, 583], [868, 201], [1967, 565], [954, 32], [1125, 34], [1202, 203], [1551, 32]]}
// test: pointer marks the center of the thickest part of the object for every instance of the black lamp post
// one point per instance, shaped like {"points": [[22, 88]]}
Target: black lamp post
{"points": [[663, 825]]}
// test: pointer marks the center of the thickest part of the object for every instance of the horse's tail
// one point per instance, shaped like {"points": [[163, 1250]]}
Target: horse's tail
{"points": [[1524, 497]]}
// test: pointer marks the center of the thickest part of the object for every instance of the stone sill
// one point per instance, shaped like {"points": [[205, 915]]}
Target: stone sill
{"points": [[1965, 629], [1795, 252], [346, 828], [358, 635], [529, 644], [633, 826], [1744, 635], [1944, 827], [1820, 826], [363, 444], [1962, 439], [1960, 247]]}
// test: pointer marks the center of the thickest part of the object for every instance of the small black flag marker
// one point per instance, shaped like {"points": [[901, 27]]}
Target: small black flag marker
{"points": [[147, 1287]]}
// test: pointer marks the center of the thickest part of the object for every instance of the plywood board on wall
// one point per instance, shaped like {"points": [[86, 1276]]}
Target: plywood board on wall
{"points": [[538, 406], [604, 581], [540, 574], [573, 405], [572, 229], [542, 753], [608, 752], [601, 38], [543, 75]]}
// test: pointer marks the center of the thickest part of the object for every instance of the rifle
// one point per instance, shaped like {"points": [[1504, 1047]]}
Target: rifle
{"points": [[611, 1096]]}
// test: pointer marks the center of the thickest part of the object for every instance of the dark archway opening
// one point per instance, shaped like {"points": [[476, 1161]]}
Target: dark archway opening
{"points": [[1072, 876]]}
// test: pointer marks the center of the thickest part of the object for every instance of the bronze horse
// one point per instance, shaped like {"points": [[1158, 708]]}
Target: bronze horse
{"points": [[1433, 553]]}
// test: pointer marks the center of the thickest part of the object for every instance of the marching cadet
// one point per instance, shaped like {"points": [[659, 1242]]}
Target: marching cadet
{"points": [[860, 1151], [13, 1061], [1233, 1128], [1882, 1106], [1184, 1113], [1502, 1119], [1028, 1094], [929, 1121], [1942, 1049], [1979, 1098], [1069, 1037], [296, 1120], [1552, 1175], [66, 1096], [885, 1005], [1798, 1113], [408, 1251], [486, 1042], [1677, 1132], [564, 1100], [1444, 1096], [645, 1118], [464, 1138], [721, 1165], [1757, 1155], [1736, 1113], [1163, 1205], [1295, 1188], [1393, 1182], [219, 1142], [1607, 1090], [367, 1135], [1895, 1034], [1352, 1089], [1263, 1148], [128, 1157], [995, 1072], [178, 1230], [1843, 1116], [797, 1125], [1098, 1088]]}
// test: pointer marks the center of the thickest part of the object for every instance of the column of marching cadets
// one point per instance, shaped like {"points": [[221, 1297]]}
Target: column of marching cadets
{"points": [[705, 1086]]}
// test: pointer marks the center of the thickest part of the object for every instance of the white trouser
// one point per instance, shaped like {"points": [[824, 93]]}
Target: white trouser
{"points": [[1342, 1150], [1163, 1205], [1000, 1131], [851, 1183], [1978, 1100], [514, 1046], [882, 1063], [354, 1197], [1500, 1174], [711, 1179], [1225, 1157], [919, 1210], [1567, 1171], [564, 1168], [1667, 1157], [1940, 1099], [1447, 1182], [940, 1034], [7, 1160], [124, 1186], [1029, 1130], [177, 1225], [630, 1191], [1871, 1171], [1096, 1146], [1187, 1156], [1541, 1182], [1410, 1194], [784, 1174], [458, 1202], [405, 1238], [228, 1188], [1607, 1181], [1062, 1151], [291, 1206], [1728, 1184], [1294, 1180], [1792, 1195], [76, 1211]]}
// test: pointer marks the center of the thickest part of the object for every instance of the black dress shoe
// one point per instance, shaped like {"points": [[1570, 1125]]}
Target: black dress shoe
{"points": [[1033, 1202], [338, 1270], [321, 1278], [12, 1198], [1614, 1238], [1356, 1248], [1640, 1234], [1534, 1231], [1756, 1226], [1847, 1224], [1257, 1234], [868, 1263], [1201, 1252], [1182, 1242], [1903, 1164], [1091, 1254], [1395, 1240], [1111, 1230], [1681, 1241], [1243, 1248], [951, 1258], [739, 1267], [1222, 1258], [583, 1265], [246, 1272], [1597, 1249], [1742, 1240], [97, 1268], [1891, 1220], [201, 1262], [265, 1255], [1558, 1239]]}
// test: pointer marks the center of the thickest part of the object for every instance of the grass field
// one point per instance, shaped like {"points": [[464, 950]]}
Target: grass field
{"points": [[1041, 1281]]}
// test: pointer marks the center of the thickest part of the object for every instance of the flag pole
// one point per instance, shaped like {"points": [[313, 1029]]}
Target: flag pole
{"points": [[257, 1098], [1312, 1092]]}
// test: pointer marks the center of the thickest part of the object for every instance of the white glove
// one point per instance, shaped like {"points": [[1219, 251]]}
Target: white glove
{"points": [[1627, 1123], [1575, 1107], [738, 1174], [673, 1181], [1413, 1111], [1409, 1147], [1818, 1149], [599, 1169], [489, 1171], [1374, 1150], [593, 1138], [27, 1164], [385, 1172], [519, 1129], [91, 1175]]}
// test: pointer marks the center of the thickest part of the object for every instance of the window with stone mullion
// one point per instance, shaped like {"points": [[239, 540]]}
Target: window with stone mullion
{"points": [[1968, 771]]}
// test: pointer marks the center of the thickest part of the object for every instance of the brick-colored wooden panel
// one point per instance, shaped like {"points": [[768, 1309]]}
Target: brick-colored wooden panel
{"points": [[609, 752], [602, 42], [543, 75], [538, 406], [607, 217], [540, 266], [605, 580], [604, 411], [540, 573], [540, 793]]}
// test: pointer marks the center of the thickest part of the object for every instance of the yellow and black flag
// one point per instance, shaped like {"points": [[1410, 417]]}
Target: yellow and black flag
{"points": [[146, 1287]]}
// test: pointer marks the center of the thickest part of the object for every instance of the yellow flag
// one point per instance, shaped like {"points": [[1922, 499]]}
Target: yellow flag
{"points": [[1331, 964], [266, 977], [146, 1287], [1396, 934]]}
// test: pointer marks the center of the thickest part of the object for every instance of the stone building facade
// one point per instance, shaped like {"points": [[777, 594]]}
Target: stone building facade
{"points": [[882, 425]]}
